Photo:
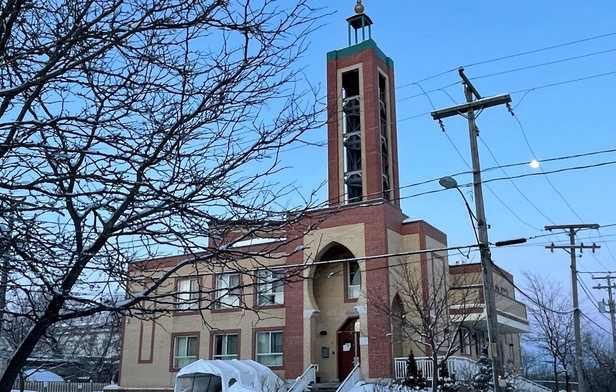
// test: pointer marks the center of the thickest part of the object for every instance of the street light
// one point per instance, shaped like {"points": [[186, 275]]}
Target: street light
{"points": [[481, 234], [451, 183]]}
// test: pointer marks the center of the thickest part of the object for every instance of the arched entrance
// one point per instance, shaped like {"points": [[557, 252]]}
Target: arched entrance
{"points": [[335, 289], [348, 347]]}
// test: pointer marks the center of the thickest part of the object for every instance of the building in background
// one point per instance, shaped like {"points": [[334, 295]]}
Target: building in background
{"points": [[84, 349]]}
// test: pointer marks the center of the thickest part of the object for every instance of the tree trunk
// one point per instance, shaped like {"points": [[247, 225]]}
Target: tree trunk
{"points": [[435, 370], [20, 357], [555, 366]]}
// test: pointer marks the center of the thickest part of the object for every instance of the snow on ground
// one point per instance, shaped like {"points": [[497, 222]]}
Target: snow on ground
{"points": [[361, 386]]}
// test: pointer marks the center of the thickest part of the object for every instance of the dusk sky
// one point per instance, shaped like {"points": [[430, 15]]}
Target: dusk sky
{"points": [[563, 108]]}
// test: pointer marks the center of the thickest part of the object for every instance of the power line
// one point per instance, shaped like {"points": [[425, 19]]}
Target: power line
{"points": [[515, 185], [607, 247], [554, 159], [510, 56], [541, 244], [544, 64], [541, 168], [595, 323], [548, 243], [602, 241], [540, 49], [503, 274], [308, 264], [526, 91], [590, 296], [490, 188], [561, 170], [324, 203], [563, 82], [31, 286]]}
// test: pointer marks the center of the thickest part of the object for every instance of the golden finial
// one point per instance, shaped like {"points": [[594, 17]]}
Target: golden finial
{"points": [[359, 8]]}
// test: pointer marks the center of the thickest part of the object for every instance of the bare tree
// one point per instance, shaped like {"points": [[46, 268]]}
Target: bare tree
{"points": [[132, 129], [551, 320], [599, 367], [533, 363], [429, 310]]}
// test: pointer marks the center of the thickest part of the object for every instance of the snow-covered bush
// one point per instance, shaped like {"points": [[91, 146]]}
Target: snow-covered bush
{"points": [[482, 381], [446, 382]]}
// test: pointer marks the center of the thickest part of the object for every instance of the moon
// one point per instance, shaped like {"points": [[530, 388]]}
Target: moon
{"points": [[534, 163]]}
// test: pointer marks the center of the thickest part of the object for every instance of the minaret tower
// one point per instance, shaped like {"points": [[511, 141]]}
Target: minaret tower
{"points": [[361, 125]]}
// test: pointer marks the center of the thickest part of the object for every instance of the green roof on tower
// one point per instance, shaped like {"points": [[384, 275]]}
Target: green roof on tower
{"points": [[360, 37]]}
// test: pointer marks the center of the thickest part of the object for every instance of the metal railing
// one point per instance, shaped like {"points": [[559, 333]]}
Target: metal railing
{"points": [[460, 366], [464, 368], [351, 379], [61, 386], [303, 382], [523, 384]]}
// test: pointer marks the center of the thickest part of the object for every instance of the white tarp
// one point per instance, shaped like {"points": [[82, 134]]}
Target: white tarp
{"points": [[218, 375], [269, 381], [41, 375]]}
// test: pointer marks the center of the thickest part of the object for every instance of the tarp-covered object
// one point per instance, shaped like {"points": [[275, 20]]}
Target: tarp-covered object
{"points": [[219, 376], [41, 375]]}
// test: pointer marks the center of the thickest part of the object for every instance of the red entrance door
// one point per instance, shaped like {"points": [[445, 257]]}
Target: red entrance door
{"points": [[348, 349]]}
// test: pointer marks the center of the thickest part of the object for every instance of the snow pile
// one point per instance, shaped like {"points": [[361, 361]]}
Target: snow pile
{"points": [[362, 386]]}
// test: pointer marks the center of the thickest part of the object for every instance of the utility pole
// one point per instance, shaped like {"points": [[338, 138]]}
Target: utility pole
{"points": [[611, 305], [572, 230], [469, 108]]}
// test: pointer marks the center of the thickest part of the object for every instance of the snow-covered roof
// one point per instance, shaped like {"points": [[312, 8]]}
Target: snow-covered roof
{"points": [[411, 220], [257, 241], [247, 373], [41, 375]]}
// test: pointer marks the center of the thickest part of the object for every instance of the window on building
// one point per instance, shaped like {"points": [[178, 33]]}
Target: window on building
{"points": [[479, 342], [353, 279], [465, 347], [184, 350], [227, 290], [225, 346], [269, 348], [270, 287], [187, 294]]}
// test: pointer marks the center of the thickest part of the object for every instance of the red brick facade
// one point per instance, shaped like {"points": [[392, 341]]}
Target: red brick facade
{"points": [[371, 63]]}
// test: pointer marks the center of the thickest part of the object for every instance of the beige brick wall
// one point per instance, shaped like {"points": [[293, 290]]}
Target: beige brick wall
{"points": [[147, 345], [325, 309]]}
